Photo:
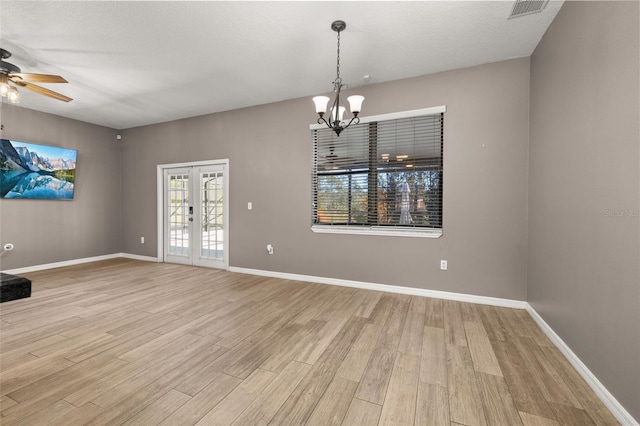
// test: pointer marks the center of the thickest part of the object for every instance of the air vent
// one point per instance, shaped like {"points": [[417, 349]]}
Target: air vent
{"points": [[527, 7]]}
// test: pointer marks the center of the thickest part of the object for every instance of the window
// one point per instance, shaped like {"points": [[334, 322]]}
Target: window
{"points": [[383, 176]]}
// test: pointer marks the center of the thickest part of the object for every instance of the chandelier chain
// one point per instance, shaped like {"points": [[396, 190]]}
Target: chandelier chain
{"points": [[338, 79]]}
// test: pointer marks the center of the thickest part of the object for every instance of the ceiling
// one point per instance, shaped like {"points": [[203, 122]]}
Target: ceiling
{"points": [[132, 63]]}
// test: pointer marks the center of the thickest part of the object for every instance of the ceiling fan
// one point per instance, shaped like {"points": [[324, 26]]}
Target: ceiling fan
{"points": [[11, 76]]}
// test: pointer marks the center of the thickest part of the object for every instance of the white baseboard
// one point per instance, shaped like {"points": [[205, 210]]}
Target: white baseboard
{"points": [[605, 396], [470, 298], [138, 257], [73, 262], [42, 267]]}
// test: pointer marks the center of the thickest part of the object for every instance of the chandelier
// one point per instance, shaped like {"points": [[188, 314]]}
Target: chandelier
{"points": [[337, 111]]}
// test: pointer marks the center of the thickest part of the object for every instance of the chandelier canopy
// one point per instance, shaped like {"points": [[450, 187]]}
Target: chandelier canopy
{"points": [[336, 118]]}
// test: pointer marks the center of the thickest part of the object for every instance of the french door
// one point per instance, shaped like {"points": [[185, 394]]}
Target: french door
{"points": [[195, 215]]}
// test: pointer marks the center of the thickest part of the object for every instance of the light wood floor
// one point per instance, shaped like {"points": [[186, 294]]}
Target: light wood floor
{"points": [[138, 343]]}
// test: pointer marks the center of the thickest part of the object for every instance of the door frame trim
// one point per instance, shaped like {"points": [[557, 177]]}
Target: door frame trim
{"points": [[160, 168]]}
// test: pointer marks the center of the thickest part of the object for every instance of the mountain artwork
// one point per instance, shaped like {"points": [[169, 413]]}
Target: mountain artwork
{"points": [[36, 171]]}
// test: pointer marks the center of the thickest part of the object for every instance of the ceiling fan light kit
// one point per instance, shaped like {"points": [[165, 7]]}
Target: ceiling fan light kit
{"points": [[337, 111], [8, 91], [11, 76]]}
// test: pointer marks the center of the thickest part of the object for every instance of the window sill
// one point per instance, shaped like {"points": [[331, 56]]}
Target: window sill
{"points": [[380, 231]]}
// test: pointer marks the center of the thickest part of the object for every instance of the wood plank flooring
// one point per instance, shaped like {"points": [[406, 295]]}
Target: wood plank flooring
{"points": [[137, 343]]}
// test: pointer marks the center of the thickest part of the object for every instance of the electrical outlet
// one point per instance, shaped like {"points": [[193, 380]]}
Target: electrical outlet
{"points": [[443, 265], [249, 205], [141, 240], [269, 249]]}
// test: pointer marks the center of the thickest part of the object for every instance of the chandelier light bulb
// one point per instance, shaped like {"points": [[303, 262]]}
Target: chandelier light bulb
{"points": [[321, 104], [341, 111], [355, 103]]}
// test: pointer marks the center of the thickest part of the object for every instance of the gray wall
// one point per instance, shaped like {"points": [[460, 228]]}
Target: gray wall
{"points": [[46, 231], [584, 189], [269, 147]]}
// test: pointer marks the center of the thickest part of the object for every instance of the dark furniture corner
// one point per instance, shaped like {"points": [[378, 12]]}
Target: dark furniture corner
{"points": [[13, 287]]}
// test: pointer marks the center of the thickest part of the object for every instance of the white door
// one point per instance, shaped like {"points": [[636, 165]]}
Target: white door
{"points": [[195, 200]]}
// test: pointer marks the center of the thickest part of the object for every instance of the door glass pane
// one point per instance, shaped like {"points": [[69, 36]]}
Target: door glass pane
{"points": [[212, 243], [179, 214]]}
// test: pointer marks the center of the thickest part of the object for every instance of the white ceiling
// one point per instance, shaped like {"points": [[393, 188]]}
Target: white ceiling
{"points": [[131, 63]]}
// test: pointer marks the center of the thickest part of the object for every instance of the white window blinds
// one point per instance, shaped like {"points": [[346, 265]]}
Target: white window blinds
{"points": [[381, 173]]}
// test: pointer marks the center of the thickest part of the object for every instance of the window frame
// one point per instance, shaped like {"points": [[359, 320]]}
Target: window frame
{"points": [[380, 230]]}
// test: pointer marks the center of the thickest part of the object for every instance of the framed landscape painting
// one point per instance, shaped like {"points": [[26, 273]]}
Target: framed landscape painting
{"points": [[36, 171]]}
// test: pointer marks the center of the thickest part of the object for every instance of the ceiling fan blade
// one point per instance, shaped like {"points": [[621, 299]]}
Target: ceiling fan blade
{"points": [[43, 91], [39, 78]]}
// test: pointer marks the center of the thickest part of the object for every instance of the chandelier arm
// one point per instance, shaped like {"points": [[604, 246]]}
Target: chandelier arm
{"points": [[322, 120], [354, 120]]}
